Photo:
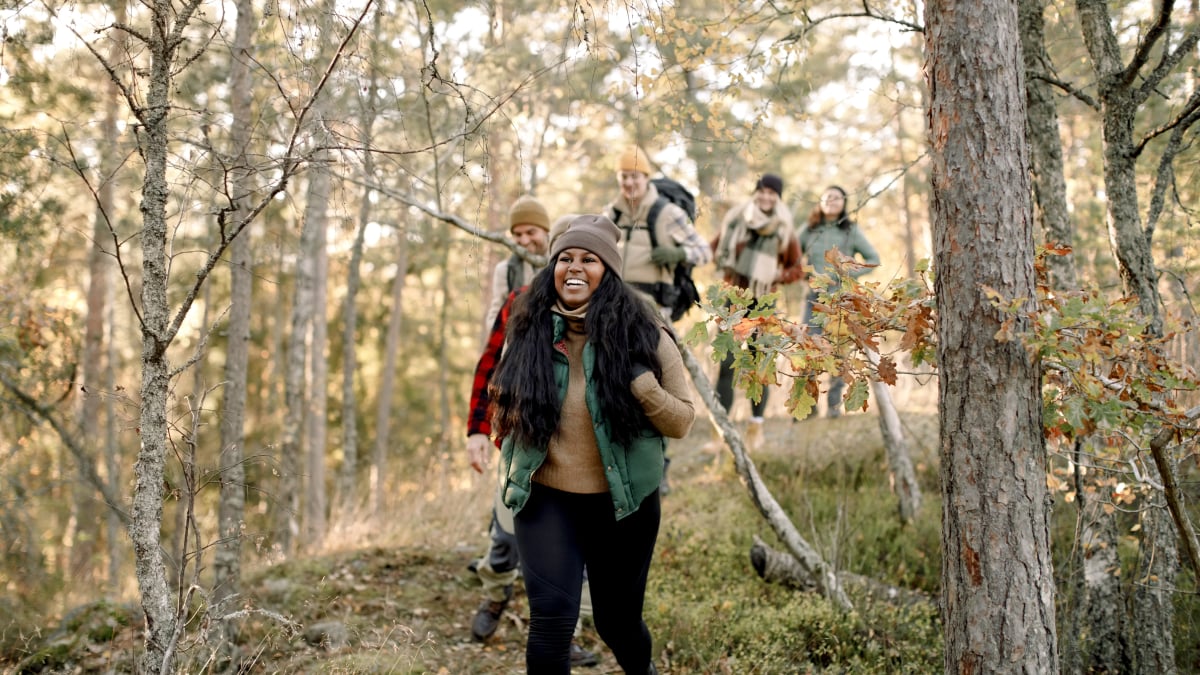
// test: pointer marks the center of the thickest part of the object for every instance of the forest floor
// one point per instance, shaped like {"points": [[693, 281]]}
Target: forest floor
{"points": [[407, 609]]}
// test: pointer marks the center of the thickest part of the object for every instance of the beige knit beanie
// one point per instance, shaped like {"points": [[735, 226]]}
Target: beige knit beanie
{"points": [[528, 211]]}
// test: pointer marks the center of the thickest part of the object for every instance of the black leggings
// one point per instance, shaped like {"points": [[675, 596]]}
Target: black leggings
{"points": [[558, 535]]}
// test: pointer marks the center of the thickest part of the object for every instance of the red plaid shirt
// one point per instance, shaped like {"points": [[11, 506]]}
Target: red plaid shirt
{"points": [[479, 421]]}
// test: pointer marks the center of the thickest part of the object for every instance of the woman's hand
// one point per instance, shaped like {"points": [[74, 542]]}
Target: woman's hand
{"points": [[479, 449]]}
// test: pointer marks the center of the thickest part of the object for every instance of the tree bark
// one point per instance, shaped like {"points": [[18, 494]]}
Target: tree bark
{"points": [[997, 576], [387, 378], [316, 494], [1122, 89], [231, 512], [149, 470], [814, 567], [347, 496], [903, 478], [287, 497]]}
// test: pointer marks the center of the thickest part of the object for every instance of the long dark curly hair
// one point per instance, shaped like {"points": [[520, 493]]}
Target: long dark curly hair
{"points": [[623, 331]]}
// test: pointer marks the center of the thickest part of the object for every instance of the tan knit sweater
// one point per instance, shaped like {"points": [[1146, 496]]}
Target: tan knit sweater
{"points": [[573, 458]]}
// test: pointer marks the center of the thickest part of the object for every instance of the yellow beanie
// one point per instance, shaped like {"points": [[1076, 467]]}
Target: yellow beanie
{"points": [[633, 159], [528, 211]]}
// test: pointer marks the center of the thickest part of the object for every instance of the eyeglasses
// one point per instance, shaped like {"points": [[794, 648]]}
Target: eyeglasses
{"points": [[832, 198]]}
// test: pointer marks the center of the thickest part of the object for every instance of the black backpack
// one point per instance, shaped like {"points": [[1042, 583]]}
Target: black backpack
{"points": [[682, 294], [515, 275]]}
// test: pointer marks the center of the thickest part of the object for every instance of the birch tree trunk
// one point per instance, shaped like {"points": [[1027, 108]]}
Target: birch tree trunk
{"points": [[997, 576], [315, 500], [387, 378], [231, 512], [292, 452], [346, 494]]}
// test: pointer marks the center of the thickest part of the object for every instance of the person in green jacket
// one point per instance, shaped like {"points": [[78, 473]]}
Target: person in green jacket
{"points": [[829, 227], [587, 390]]}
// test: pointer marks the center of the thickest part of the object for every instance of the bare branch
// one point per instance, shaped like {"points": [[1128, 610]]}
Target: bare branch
{"points": [[814, 566], [291, 165], [866, 13], [1146, 46], [1069, 89], [76, 168], [456, 221], [1174, 495], [86, 467]]}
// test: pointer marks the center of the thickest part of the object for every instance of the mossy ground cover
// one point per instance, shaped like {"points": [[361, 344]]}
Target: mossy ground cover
{"points": [[404, 607]]}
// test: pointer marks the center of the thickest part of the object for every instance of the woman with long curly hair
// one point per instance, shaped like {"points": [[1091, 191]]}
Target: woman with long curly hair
{"points": [[589, 386], [829, 227]]}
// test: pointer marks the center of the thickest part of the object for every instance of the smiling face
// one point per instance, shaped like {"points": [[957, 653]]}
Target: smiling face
{"points": [[832, 203], [577, 275], [531, 237], [766, 199], [633, 185]]}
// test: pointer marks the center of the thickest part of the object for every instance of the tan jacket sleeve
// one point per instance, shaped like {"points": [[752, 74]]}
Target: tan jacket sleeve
{"points": [[668, 403], [500, 291]]}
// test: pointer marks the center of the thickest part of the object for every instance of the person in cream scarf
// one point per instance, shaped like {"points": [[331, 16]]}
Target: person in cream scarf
{"points": [[756, 249]]}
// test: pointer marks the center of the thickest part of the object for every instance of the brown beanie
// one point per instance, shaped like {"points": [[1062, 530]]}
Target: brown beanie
{"points": [[633, 159], [528, 211], [593, 233]]}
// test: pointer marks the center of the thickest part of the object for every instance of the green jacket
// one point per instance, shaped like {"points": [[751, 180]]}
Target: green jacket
{"points": [[633, 472], [815, 242]]}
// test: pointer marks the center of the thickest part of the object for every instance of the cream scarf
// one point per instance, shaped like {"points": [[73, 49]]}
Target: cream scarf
{"points": [[764, 234]]}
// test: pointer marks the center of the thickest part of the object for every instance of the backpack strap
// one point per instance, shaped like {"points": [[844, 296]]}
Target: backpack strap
{"points": [[515, 273], [651, 220]]}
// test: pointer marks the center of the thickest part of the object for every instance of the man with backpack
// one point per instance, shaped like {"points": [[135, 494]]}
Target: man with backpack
{"points": [[659, 244], [529, 225], [657, 233]]}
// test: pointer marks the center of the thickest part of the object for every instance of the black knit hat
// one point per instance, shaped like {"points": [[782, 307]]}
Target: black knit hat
{"points": [[771, 181], [593, 233]]}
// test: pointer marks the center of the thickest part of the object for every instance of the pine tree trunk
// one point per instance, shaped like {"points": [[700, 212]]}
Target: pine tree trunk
{"points": [[997, 576]]}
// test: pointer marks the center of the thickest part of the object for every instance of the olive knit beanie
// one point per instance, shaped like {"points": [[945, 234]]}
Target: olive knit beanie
{"points": [[528, 211]]}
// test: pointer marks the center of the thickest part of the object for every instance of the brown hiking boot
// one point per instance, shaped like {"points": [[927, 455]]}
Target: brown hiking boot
{"points": [[487, 619]]}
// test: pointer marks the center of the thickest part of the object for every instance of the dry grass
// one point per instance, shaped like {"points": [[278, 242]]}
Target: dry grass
{"points": [[397, 587]]}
